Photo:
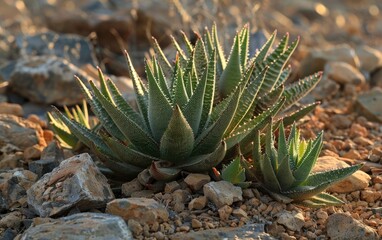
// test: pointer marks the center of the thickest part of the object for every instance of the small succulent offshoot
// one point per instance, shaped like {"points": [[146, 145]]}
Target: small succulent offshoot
{"points": [[286, 172], [234, 173], [63, 134]]}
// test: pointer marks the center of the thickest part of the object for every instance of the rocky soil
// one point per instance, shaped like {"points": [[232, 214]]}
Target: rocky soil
{"points": [[47, 192]]}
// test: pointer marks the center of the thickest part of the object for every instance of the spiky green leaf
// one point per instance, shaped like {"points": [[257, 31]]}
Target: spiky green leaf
{"points": [[231, 76], [177, 141]]}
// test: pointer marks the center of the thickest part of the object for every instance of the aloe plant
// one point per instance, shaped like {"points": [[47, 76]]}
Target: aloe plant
{"points": [[168, 134], [261, 76], [192, 110], [66, 138], [286, 172]]}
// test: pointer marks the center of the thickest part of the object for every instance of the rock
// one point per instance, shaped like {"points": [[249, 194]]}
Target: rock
{"points": [[362, 141], [341, 226], [131, 187], [171, 186], [368, 105], [146, 193], [76, 183], [370, 58], [344, 73], [357, 130], [225, 212], [325, 89], [248, 193], [196, 181], [53, 152], [195, 223], [11, 108], [180, 196], [178, 207], [81, 226], [222, 193], [11, 161], [370, 196], [352, 154], [375, 155], [12, 220], [239, 213], [75, 49], [6, 71], [142, 210], [292, 220], [341, 121], [246, 232], [357, 181], [135, 227], [376, 78], [40, 167], [131, 20], [20, 132], [317, 59], [197, 203], [8, 234], [13, 187], [33, 152], [41, 79]]}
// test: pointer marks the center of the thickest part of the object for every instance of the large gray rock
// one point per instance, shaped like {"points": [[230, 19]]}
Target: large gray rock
{"points": [[343, 227], [77, 182], [76, 49], [343, 73], [369, 58], [156, 17], [317, 58], [81, 226], [13, 188], [222, 193], [43, 79], [20, 132]]}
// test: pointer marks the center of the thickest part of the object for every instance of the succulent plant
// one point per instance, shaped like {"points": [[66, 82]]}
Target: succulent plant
{"points": [[182, 121], [66, 138], [286, 172], [262, 76], [234, 173], [172, 130]]}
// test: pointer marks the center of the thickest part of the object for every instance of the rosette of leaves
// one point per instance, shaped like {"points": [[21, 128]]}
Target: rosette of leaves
{"points": [[63, 134], [171, 131], [286, 172], [261, 75], [192, 110]]}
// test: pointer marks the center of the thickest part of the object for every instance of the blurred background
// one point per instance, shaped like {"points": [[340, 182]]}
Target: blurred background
{"points": [[43, 43]]}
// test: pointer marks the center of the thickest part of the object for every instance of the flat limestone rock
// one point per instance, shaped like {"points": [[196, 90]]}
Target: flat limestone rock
{"points": [[81, 226], [341, 226], [77, 182], [222, 193], [142, 210]]}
